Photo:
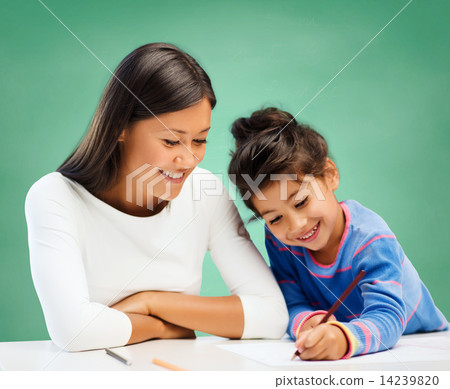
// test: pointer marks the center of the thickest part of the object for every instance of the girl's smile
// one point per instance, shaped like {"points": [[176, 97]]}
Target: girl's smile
{"points": [[310, 235]]}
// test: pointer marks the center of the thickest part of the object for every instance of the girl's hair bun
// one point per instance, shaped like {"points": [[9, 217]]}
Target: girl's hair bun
{"points": [[262, 121]]}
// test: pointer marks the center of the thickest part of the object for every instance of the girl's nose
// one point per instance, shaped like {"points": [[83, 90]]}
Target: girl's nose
{"points": [[296, 225]]}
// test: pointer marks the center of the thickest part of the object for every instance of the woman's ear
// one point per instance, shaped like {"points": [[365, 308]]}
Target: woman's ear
{"points": [[331, 174], [122, 135]]}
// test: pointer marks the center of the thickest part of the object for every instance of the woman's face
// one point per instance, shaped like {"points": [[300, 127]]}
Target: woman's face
{"points": [[156, 161]]}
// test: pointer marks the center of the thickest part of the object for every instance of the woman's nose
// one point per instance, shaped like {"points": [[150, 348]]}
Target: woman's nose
{"points": [[186, 157]]}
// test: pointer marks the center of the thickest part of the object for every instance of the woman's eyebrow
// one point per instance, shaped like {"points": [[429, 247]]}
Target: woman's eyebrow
{"points": [[182, 131]]}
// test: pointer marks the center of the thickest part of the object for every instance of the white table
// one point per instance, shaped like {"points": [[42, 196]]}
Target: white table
{"points": [[200, 354]]}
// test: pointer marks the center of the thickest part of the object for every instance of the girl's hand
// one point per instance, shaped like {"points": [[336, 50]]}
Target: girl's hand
{"points": [[314, 322], [136, 303], [322, 342]]}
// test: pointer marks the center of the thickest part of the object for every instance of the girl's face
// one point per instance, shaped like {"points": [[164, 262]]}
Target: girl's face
{"points": [[156, 161], [305, 215]]}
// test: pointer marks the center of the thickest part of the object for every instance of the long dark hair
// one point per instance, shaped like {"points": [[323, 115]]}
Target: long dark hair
{"points": [[271, 141], [164, 79]]}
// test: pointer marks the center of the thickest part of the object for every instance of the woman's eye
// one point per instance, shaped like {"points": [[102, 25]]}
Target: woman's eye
{"points": [[200, 141], [275, 220], [301, 203], [171, 142]]}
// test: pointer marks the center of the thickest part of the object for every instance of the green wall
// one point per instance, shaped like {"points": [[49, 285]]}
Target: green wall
{"points": [[384, 115]]}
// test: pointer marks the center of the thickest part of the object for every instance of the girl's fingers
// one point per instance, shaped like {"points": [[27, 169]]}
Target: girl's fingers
{"points": [[301, 339], [315, 352], [314, 336]]}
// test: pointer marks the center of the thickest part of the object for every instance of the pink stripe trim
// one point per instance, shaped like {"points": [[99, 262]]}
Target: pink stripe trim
{"points": [[344, 269], [401, 321], [297, 321], [291, 251], [442, 326], [386, 282], [367, 335], [378, 332], [344, 235], [286, 282], [329, 275], [283, 248], [415, 308], [321, 275], [355, 315], [372, 240], [347, 225], [307, 317], [404, 259]]}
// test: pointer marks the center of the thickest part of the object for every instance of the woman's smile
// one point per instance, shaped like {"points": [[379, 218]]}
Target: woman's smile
{"points": [[173, 177]]}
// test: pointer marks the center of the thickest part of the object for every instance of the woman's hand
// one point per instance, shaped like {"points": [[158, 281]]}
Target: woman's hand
{"points": [[315, 321], [172, 331], [322, 342], [136, 303]]}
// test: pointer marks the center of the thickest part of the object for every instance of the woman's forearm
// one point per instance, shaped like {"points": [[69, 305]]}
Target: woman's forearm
{"points": [[148, 327], [221, 316]]}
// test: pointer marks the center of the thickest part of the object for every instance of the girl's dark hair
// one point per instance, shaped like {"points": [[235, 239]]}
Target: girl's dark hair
{"points": [[156, 77], [271, 141]]}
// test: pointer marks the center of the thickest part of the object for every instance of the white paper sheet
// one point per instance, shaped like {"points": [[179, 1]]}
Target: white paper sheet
{"points": [[433, 348]]}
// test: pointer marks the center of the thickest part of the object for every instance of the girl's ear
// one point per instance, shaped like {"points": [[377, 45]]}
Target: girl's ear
{"points": [[331, 175]]}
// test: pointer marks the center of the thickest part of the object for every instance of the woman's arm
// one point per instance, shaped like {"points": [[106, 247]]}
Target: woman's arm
{"points": [[148, 327], [221, 316]]}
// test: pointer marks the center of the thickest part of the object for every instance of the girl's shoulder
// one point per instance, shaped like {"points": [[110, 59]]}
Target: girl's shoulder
{"points": [[365, 224]]}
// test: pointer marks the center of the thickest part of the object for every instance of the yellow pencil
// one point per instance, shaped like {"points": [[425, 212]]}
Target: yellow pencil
{"points": [[167, 365]]}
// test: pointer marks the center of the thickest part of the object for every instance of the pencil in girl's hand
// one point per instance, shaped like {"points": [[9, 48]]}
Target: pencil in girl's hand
{"points": [[338, 302]]}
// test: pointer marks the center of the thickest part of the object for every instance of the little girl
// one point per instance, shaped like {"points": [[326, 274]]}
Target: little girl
{"points": [[317, 245]]}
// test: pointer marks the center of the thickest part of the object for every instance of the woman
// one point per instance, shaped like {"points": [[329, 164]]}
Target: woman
{"points": [[118, 233]]}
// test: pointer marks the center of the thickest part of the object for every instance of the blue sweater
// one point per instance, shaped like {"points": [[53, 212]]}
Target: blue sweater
{"points": [[389, 301]]}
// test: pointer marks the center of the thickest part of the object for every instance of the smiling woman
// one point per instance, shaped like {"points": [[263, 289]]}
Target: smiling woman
{"points": [[173, 154], [111, 262]]}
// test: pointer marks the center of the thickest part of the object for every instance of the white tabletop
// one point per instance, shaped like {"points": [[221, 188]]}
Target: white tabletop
{"points": [[200, 354]]}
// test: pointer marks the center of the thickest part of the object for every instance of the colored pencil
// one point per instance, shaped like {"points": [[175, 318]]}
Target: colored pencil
{"points": [[167, 365]]}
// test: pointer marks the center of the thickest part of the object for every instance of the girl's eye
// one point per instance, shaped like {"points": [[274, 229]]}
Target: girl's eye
{"points": [[171, 142], [275, 220], [200, 141], [301, 203]]}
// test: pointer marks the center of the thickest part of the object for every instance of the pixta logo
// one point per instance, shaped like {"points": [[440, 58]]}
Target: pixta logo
{"points": [[141, 183]]}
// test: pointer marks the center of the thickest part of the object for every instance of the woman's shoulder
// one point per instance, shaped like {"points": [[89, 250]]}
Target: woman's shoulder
{"points": [[205, 185], [205, 190], [51, 187]]}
